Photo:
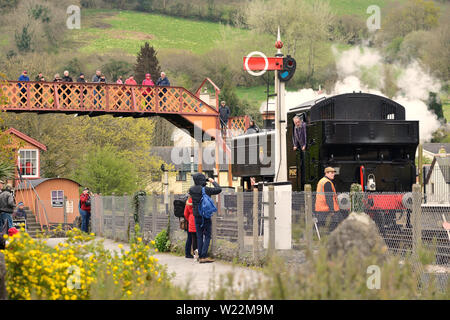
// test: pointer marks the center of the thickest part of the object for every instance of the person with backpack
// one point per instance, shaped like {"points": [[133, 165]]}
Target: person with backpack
{"points": [[7, 205], [85, 209], [202, 224], [191, 241]]}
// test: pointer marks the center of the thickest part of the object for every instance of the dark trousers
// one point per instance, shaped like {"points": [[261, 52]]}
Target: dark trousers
{"points": [[191, 241], [85, 218], [203, 227], [329, 219]]}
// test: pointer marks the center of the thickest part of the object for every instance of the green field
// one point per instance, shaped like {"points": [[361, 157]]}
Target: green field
{"points": [[112, 30], [358, 7]]}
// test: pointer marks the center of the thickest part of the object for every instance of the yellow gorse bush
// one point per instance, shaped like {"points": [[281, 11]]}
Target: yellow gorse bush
{"points": [[71, 269]]}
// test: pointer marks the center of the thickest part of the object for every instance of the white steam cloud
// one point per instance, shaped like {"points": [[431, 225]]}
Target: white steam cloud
{"points": [[362, 69]]}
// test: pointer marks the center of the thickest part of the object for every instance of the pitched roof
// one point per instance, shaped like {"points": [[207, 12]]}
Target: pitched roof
{"points": [[35, 182], [434, 147], [444, 167], [28, 139]]}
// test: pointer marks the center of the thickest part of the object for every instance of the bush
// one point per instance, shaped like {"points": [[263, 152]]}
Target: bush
{"points": [[81, 269], [162, 242]]}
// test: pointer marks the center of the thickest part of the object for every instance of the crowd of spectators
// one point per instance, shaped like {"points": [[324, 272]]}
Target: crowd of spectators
{"points": [[67, 91], [162, 81]]}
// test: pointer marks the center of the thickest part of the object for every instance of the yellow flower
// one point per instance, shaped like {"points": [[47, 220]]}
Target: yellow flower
{"points": [[120, 246]]}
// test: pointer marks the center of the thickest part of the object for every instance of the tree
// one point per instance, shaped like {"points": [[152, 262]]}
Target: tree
{"points": [[23, 39], [228, 94], [435, 105], [304, 24], [147, 62], [106, 171], [116, 68], [401, 18]]}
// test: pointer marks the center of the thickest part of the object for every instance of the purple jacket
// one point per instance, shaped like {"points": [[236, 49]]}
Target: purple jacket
{"points": [[299, 136]]}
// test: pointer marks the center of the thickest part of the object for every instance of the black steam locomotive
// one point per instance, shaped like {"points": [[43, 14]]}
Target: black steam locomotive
{"points": [[365, 137]]}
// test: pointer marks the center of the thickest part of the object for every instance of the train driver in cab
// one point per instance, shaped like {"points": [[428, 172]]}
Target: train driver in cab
{"points": [[299, 142]]}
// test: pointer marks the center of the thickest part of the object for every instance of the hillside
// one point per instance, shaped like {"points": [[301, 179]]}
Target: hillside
{"points": [[126, 31]]}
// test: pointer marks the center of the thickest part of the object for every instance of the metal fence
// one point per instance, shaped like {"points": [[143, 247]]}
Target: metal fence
{"points": [[244, 227]]}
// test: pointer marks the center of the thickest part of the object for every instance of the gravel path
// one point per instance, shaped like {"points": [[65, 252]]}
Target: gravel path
{"points": [[199, 278]]}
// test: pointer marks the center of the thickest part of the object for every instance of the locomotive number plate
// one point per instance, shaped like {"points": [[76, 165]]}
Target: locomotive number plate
{"points": [[292, 172]]}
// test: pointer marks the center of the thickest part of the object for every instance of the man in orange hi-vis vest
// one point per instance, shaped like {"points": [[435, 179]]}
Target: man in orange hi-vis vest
{"points": [[326, 200]]}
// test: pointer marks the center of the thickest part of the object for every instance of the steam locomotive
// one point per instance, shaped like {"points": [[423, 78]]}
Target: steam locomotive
{"points": [[365, 137]]}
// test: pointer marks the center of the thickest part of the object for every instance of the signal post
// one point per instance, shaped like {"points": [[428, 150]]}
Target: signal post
{"points": [[280, 191]]}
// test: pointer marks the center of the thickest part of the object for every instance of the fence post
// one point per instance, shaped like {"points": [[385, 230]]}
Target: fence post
{"points": [[271, 244], [416, 218], [102, 219], [154, 214], [65, 213], [240, 219], [170, 210], [126, 216], [308, 217], [113, 213], [255, 225]]}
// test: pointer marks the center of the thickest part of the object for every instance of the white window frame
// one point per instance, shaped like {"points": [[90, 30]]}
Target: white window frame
{"points": [[51, 198], [37, 163]]}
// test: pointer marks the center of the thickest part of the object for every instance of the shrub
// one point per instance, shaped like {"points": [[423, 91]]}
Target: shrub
{"points": [[162, 241], [81, 269]]}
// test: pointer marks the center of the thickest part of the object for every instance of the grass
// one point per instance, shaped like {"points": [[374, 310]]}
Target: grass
{"points": [[357, 7], [109, 30], [254, 95]]}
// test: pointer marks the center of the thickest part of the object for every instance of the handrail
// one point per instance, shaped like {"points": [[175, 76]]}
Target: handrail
{"points": [[37, 197], [101, 97]]}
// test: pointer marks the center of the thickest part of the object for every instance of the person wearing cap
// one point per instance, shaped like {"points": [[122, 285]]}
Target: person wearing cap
{"points": [[85, 209], [224, 113], [23, 89], [147, 91], [7, 205], [81, 78], [326, 198], [20, 213]]}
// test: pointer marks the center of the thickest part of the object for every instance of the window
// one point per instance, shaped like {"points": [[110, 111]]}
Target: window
{"points": [[28, 162], [181, 176], [57, 199]]}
